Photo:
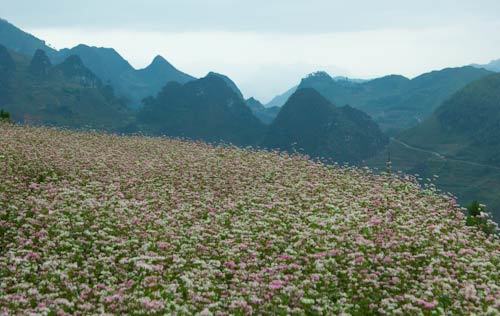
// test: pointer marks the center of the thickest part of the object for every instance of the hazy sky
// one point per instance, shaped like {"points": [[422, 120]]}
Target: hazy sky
{"points": [[266, 46]]}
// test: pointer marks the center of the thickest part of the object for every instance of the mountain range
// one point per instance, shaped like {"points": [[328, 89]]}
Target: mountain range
{"points": [[68, 94], [206, 109], [493, 65], [106, 63], [395, 102], [458, 146]]}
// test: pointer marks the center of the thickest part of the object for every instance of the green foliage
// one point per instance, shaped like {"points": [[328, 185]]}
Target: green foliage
{"points": [[4, 116], [477, 216], [474, 209]]}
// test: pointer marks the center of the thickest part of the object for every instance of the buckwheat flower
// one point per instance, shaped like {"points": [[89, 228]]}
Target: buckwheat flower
{"points": [[32, 256], [284, 257], [205, 312], [307, 301], [276, 284], [230, 265], [163, 245], [426, 304], [359, 259], [152, 305], [469, 292]]}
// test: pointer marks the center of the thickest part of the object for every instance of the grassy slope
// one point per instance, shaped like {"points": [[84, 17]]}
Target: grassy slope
{"points": [[466, 181], [92, 223], [56, 101], [464, 129]]}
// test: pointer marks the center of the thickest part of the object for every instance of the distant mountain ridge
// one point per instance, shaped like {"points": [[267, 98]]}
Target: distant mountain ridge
{"points": [[21, 42], [265, 114], [204, 109], [134, 84], [106, 63], [493, 65], [141, 83], [395, 102], [67, 94], [280, 100]]}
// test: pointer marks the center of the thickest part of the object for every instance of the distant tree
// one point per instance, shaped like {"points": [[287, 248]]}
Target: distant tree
{"points": [[477, 216], [474, 209], [4, 116]]}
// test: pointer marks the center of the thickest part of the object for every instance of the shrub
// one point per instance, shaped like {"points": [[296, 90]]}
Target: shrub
{"points": [[478, 216], [4, 116]]}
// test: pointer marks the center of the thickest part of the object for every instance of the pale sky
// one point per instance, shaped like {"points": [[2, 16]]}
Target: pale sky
{"points": [[266, 46]]}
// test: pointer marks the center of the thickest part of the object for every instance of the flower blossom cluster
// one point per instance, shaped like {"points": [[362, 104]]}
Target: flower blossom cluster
{"points": [[103, 224]]}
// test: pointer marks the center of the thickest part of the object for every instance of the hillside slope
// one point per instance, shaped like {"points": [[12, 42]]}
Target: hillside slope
{"points": [[68, 94], [100, 224], [460, 143], [466, 126], [21, 42]]}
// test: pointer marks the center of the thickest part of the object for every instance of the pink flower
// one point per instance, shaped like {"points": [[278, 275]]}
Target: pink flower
{"points": [[114, 298], [426, 304], [387, 259], [32, 256], [285, 257], [333, 252], [276, 285], [319, 255], [359, 260], [34, 186], [230, 265], [153, 305], [375, 221], [163, 245]]}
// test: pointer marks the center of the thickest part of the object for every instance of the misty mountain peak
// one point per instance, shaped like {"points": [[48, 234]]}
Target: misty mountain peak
{"points": [[253, 100], [73, 68], [159, 61], [228, 82], [320, 75], [40, 63]]}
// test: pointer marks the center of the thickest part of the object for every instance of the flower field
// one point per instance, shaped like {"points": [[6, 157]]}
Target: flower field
{"points": [[102, 224]]}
